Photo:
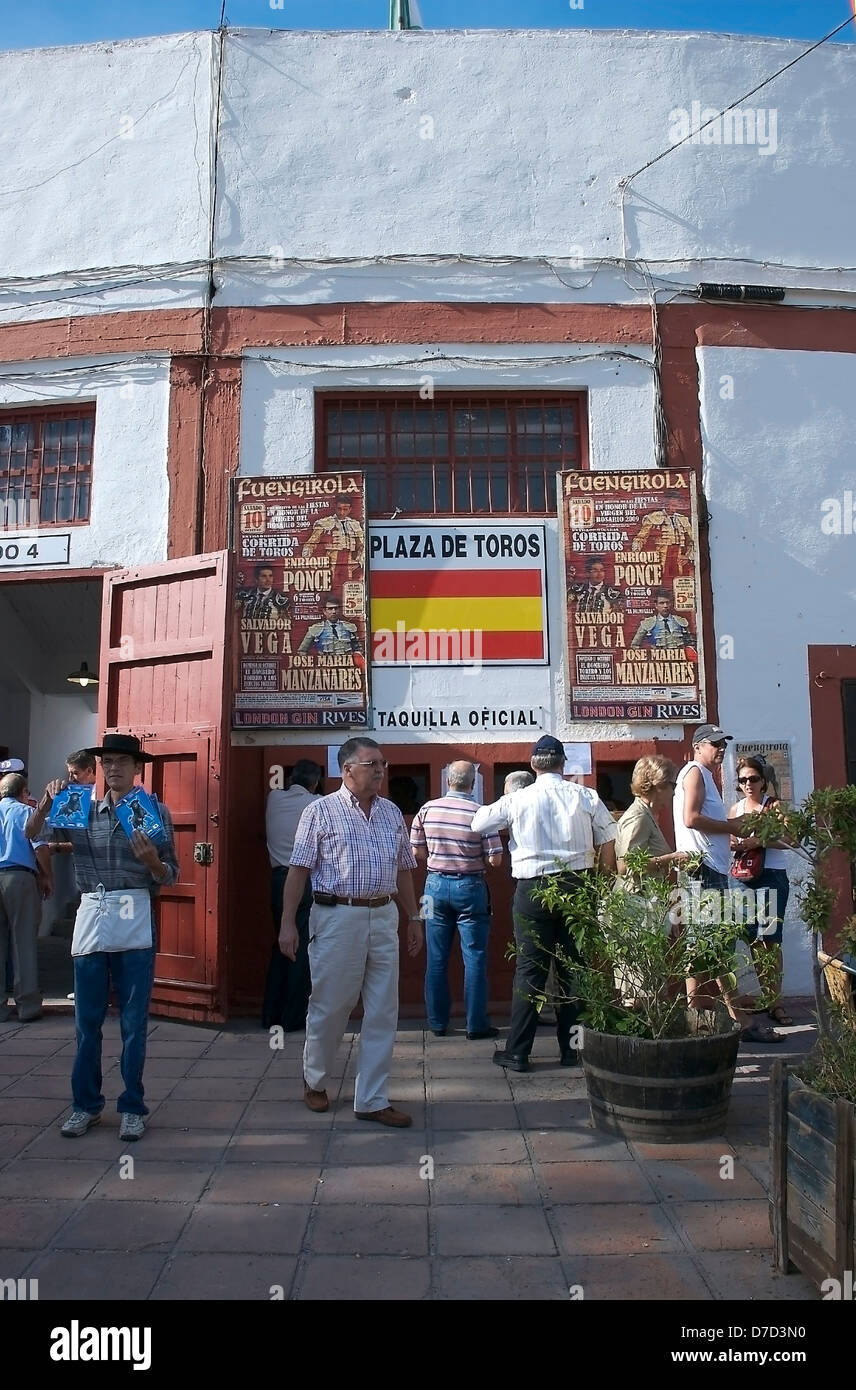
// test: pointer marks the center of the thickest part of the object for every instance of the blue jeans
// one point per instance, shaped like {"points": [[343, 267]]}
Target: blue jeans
{"points": [[461, 902], [132, 974]]}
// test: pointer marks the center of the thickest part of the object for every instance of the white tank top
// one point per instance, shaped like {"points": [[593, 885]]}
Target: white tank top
{"points": [[773, 858], [715, 848]]}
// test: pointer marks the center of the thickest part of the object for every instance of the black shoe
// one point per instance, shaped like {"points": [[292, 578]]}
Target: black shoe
{"points": [[486, 1033], [439, 1032], [511, 1061], [570, 1057]]}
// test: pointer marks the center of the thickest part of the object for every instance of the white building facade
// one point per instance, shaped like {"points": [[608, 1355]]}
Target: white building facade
{"points": [[209, 238]]}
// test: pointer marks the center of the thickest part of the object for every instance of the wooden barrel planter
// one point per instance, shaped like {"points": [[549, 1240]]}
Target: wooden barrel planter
{"points": [[813, 1176], [667, 1091]]}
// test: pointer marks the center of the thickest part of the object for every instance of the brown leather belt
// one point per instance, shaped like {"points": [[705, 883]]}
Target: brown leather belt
{"points": [[330, 900]]}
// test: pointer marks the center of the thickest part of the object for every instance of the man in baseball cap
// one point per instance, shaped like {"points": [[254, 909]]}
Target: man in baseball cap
{"points": [[710, 733], [557, 829]]}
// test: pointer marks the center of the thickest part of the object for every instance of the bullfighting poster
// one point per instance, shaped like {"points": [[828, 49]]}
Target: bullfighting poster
{"points": [[300, 602], [634, 639]]}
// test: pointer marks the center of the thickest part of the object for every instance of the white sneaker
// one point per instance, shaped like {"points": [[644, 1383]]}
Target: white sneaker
{"points": [[132, 1126], [78, 1122]]}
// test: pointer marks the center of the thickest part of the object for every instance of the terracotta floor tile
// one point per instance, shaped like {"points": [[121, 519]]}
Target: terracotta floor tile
{"points": [[226, 1277], [214, 1088], [746, 1275], [485, 1146], [624, 1228], [489, 1114], [242, 1229], [256, 1183], [371, 1143], [602, 1181], [725, 1225], [662, 1278], [14, 1138], [499, 1184], [124, 1226], [491, 1230], [340, 1229], [50, 1177], [152, 1181], [394, 1183], [703, 1181], [106, 1276], [375, 1278], [579, 1143], [289, 1146], [33, 1224], [199, 1114], [511, 1279]]}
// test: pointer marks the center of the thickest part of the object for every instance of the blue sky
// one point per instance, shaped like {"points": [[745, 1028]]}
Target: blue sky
{"points": [[84, 21]]}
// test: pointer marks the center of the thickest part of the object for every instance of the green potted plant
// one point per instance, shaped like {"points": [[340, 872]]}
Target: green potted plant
{"points": [[813, 1109], [653, 1068]]}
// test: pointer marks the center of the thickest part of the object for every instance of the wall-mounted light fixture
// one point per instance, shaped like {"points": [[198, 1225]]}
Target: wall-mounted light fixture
{"points": [[763, 294], [83, 677]]}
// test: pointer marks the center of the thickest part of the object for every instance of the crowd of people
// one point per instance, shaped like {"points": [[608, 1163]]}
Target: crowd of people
{"points": [[341, 867]]}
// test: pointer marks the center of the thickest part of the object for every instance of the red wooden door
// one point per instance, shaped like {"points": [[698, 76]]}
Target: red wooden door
{"points": [[165, 640]]}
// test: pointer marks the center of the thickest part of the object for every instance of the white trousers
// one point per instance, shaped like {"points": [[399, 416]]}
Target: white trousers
{"points": [[353, 951]]}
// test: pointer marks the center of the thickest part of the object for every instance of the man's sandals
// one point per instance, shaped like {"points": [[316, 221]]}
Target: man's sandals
{"points": [[780, 1015], [760, 1033]]}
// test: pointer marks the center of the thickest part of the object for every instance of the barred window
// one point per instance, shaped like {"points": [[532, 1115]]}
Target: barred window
{"points": [[455, 455], [45, 466]]}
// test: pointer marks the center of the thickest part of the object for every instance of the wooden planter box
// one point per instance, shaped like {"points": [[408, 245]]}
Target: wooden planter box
{"points": [[812, 1160]]}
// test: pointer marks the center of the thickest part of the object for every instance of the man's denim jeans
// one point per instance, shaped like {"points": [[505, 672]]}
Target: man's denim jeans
{"points": [[461, 902], [132, 973]]}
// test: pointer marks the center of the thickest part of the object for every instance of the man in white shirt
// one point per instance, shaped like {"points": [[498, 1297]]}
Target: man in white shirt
{"points": [[288, 985], [557, 828]]}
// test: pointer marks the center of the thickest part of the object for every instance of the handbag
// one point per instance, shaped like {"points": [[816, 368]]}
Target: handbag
{"points": [[748, 864]]}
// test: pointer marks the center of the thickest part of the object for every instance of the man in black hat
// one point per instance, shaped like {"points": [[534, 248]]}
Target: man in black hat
{"points": [[113, 937], [558, 829]]}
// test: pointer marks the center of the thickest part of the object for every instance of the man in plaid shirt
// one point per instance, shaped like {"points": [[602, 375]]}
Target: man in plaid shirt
{"points": [[354, 844]]}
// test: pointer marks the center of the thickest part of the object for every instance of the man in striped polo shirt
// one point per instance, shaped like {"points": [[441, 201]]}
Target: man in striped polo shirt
{"points": [[456, 896]]}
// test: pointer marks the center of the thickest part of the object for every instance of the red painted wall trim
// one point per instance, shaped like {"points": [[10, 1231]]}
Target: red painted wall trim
{"points": [[149, 330], [222, 434], [682, 325], [183, 457], [179, 331]]}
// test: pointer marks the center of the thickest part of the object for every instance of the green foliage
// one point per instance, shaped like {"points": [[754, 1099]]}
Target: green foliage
{"points": [[831, 1067], [825, 822], [637, 948]]}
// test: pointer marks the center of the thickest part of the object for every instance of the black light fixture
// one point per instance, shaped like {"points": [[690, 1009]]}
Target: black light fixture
{"points": [[761, 294], [84, 677]]}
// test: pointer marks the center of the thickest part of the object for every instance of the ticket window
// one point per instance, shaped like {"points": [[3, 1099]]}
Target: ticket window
{"points": [[409, 787], [501, 771], [613, 785]]}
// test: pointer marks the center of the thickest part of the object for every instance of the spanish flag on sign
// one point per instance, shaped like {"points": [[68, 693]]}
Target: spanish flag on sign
{"points": [[471, 609]]}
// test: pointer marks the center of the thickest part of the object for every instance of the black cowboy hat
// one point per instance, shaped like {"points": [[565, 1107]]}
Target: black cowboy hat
{"points": [[122, 743]]}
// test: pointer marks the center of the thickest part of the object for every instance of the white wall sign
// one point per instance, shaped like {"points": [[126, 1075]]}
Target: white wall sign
{"points": [[487, 717], [35, 552]]}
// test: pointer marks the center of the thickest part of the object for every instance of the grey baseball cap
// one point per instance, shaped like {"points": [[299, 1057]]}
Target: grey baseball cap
{"points": [[710, 733]]}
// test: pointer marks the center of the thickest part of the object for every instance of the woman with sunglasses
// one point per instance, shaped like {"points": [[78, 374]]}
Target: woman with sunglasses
{"points": [[764, 934]]}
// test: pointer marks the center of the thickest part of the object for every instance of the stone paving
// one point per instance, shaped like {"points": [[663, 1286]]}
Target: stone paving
{"points": [[237, 1189]]}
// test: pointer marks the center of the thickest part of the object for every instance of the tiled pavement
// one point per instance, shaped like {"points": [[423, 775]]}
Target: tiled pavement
{"points": [[238, 1188]]}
